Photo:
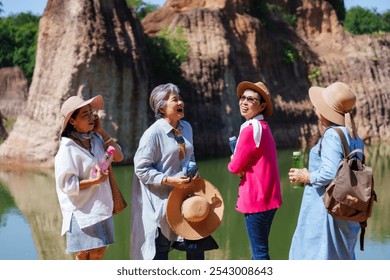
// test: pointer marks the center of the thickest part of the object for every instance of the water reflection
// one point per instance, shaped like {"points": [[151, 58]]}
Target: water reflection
{"points": [[34, 195], [15, 227]]}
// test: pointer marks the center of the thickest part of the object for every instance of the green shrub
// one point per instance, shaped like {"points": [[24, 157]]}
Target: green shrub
{"points": [[314, 76], [168, 51], [364, 21]]}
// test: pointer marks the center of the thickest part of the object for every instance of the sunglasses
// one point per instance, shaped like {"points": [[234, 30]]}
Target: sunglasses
{"points": [[249, 99]]}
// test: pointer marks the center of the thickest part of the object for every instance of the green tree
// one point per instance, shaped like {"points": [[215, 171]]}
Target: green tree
{"points": [[18, 37], [168, 51], [141, 8], [364, 21]]}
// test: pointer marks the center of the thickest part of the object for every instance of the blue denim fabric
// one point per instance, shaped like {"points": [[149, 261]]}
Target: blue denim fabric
{"points": [[163, 246], [258, 226], [95, 236]]}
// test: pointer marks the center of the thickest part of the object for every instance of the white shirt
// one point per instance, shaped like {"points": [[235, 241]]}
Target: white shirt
{"points": [[157, 156], [73, 164]]}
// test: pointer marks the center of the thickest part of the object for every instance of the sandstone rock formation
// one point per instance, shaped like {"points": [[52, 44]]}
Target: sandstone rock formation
{"points": [[13, 91], [229, 45], [361, 61], [84, 48], [3, 131]]}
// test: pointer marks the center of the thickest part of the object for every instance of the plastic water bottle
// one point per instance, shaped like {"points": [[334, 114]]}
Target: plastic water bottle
{"points": [[108, 156], [192, 170], [297, 162], [232, 143]]}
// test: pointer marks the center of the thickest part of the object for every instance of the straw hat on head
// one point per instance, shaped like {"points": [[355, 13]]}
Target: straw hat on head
{"points": [[75, 102], [195, 212], [333, 102], [261, 89]]}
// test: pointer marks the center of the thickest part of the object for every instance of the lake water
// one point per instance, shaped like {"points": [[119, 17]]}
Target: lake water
{"points": [[30, 218]]}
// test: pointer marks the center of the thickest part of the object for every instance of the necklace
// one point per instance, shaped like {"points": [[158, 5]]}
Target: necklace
{"points": [[81, 136], [88, 148]]}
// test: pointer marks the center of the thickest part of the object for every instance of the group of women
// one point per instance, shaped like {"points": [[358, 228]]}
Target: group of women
{"points": [[161, 167]]}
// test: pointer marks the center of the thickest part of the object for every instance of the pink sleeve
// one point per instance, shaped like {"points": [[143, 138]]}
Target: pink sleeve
{"points": [[245, 148]]}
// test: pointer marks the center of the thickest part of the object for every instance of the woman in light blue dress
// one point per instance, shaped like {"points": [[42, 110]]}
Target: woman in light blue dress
{"points": [[318, 235]]}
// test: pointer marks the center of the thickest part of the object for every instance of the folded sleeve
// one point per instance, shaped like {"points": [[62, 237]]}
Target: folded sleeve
{"points": [[67, 173]]}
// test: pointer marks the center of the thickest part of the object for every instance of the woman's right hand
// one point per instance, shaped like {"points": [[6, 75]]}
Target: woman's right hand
{"points": [[178, 181], [101, 176]]}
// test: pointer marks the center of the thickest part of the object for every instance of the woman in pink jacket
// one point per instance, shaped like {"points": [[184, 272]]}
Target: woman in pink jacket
{"points": [[255, 161]]}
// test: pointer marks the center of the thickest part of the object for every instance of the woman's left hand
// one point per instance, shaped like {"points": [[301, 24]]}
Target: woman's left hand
{"points": [[98, 125], [296, 175], [178, 181]]}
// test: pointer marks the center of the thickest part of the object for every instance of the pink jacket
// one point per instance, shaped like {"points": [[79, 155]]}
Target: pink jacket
{"points": [[259, 189]]}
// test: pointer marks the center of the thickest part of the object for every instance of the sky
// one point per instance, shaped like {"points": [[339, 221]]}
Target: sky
{"points": [[37, 6]]}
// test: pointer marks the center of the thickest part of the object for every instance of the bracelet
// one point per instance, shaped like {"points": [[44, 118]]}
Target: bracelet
{"points": [[109, 140]]}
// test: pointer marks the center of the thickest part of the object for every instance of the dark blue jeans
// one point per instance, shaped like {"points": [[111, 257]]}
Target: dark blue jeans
{"points": [[163, 246], [258, 226]]}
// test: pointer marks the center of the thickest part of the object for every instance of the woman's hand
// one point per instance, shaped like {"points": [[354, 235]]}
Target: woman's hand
{"points": [[177, 181], [98, 128], [299, 175], [101, 176], [98, 125]]}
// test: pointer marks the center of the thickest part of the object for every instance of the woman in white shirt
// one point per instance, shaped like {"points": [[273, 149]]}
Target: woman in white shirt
{"points": [[160, 164], [85, 198]]}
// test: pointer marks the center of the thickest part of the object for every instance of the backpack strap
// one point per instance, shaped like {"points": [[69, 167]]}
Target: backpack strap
{"points": [[363, 226], [344, 141]]}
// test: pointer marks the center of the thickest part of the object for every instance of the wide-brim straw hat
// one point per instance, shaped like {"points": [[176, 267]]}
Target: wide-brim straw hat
{"points": [[75, 102], [261, 89], [195, 212], [333, 102]]}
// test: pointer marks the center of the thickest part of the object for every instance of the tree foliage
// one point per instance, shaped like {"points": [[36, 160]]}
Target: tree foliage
{"points": [[141, 8], [359, 20], [168, 50], [18, 37]]}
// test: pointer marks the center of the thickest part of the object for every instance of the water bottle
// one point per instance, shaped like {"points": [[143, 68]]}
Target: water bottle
{"points": [[192, 170], [232, 143], [108, 156], [297, 162]]}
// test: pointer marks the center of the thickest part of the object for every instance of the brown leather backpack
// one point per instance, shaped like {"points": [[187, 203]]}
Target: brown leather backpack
{"points": [[350, 195]]}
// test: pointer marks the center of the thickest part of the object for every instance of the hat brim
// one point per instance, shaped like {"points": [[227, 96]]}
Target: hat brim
{"points": [[317, 99], [195, 230], [97, 103], [243, 86]]}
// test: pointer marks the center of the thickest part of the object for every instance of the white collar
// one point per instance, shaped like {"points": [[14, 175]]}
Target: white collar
{"points": [[257, 129]]}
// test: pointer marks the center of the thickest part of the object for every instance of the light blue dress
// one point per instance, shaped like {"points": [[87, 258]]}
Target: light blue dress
{"points": [[157, 156], [319, 236]]}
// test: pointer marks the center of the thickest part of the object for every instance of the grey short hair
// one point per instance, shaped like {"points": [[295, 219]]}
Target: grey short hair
{"points": [[159, 96]]}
